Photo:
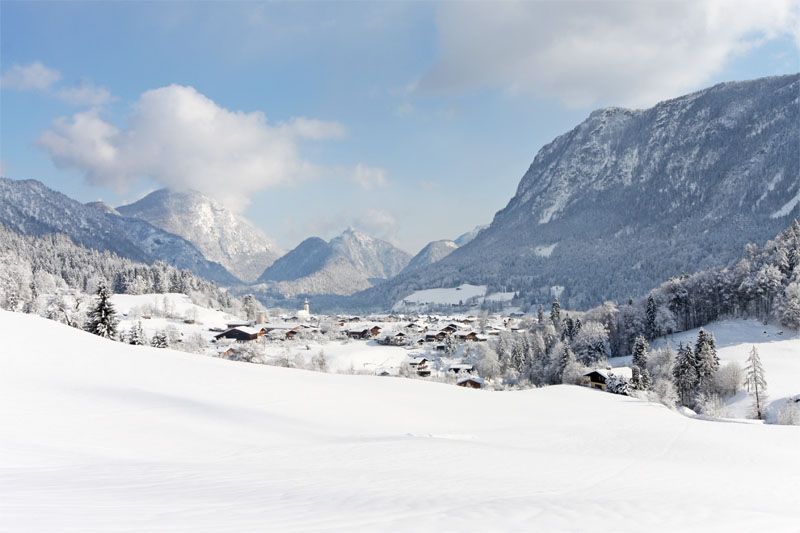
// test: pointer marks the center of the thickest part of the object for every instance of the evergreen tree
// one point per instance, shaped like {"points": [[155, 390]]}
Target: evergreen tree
{"points": [[756, 383], [706, 360], [555, 314], [684, 374], [565, 362], [641, 376], [540, 315], [136, 336], [160, 340], [102, 320], [651, 326]]}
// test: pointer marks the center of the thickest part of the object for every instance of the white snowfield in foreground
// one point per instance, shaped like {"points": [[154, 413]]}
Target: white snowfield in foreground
{"points": [[101, 436]]}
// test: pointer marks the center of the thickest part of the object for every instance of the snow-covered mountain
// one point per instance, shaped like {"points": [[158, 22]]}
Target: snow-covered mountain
{"points": [[431, 253], [348, 263], [464, 238], [218, 233], [631, 197], [29, 207]]}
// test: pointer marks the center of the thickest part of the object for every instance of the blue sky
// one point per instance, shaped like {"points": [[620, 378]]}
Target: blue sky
{"points": [[411, 121]]}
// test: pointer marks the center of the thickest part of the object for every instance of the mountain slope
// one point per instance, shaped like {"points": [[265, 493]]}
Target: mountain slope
{"points": [[218, 233], [29, 207], [107, 436], [629, 198], [348, 263], [431, 253]]}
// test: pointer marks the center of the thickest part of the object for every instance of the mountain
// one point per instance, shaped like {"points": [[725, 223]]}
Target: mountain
{"points": [[29, 207], [218, 233], [431, 253], [348, 263], [463, 239], [631, 197]]}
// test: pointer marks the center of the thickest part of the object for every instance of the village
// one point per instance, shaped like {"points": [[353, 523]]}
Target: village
{"points": [[447, 348]]}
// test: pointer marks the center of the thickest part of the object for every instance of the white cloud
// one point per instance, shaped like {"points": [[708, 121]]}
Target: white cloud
{"points": [[582, 53], [182, 139], [31, 77], [378, 223], [85, 94], [369, 177]]}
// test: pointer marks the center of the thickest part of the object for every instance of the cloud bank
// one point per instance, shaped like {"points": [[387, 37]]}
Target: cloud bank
{"points": [[590, 52], [182, 139]]}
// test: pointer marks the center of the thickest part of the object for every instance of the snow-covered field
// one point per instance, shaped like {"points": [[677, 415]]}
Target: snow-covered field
{"points": [[779, 350], [462, 295], [360, 356], [133, 307], [102, 436]]}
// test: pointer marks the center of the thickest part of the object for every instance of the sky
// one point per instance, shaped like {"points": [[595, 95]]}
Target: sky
{"points": [[411, 121]]}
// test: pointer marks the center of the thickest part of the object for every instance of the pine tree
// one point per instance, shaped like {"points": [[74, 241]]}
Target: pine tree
{"points": [[651, 327], [137, 336], [555, 314], [640, 347], [102, 320], [160, 340], [540, 315], [706, 360], [756, 382], [684, 374]]}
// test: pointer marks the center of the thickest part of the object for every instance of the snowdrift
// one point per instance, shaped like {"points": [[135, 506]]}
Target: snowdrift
{"points": [[101, 436]]}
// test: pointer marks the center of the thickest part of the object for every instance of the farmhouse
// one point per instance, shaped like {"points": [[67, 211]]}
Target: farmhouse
{"points": [[241, 333], [596, 379], [470, 382]]}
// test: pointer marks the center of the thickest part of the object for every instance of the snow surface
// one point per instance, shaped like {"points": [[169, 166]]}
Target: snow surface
{"points": [[102, 436], [463, 294], [779, 350]]}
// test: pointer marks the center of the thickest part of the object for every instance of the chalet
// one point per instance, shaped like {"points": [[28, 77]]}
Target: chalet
{"points": [[241, 333], [358, 333], [596, 379], [461, 368], [450, 328], [374, 331], [435, 337], [420, 365], [471, 382], [469, 336], [382, 372], [398, 339], [291, 334]]}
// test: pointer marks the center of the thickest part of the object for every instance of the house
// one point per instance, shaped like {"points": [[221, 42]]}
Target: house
{"points": [[469, 336], [382, 372], [596, 379], [374, 331], [471, 382], [420, 364], [461, 368], [398, 339], [435, 337], [241, 333], [358, 333]]}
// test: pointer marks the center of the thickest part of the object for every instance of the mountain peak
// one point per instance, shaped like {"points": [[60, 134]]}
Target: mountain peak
{"points": [[347, 263], [220, 234]]}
